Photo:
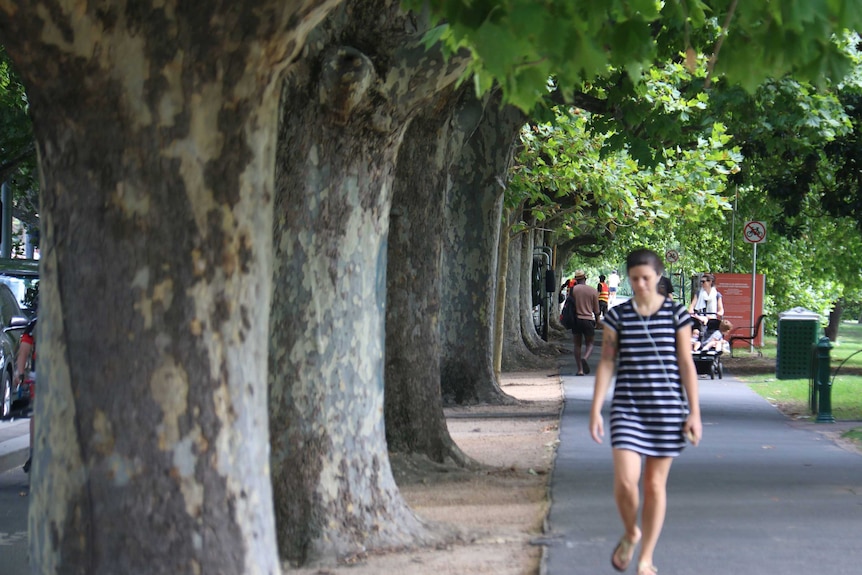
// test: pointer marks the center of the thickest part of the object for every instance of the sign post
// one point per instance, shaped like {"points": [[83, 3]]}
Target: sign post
{"points": [[753, 232], [671, 257]]}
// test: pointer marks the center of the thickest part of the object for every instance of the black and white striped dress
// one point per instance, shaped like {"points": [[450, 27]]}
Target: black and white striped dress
{"points": [[648, 408]]}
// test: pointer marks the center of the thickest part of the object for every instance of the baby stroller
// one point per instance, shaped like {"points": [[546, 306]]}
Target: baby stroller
{"points": [[709, 362]]}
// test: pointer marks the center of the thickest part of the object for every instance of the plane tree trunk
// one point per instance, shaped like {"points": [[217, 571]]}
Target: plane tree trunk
{"points": [[345, 112], [155, 131], [515, 354], [473, 218], [415, 423], [835, 314], [532, 340]]}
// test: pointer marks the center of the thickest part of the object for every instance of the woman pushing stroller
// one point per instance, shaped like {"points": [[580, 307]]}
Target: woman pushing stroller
{"points": [[708, 304]]}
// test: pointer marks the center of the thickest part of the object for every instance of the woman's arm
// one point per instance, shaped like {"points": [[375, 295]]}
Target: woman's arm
{"points": [[693, 428], [603, 381], [719, 306], [693, 302], [24, 351]]}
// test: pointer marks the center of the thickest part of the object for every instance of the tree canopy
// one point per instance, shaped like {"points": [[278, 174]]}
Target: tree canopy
{"points": [[579, 191], [794, 148], [17, 147], [520, 43]]}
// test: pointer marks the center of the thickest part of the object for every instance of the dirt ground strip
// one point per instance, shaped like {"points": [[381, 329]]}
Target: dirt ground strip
{"points": [[499, 509]]}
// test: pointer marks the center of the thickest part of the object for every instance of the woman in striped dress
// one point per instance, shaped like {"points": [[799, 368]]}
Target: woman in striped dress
{"points": [[655, 403]]}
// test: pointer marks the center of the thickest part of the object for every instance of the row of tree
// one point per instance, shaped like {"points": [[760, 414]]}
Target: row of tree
{"points": [[785, 154], [225, 296]]}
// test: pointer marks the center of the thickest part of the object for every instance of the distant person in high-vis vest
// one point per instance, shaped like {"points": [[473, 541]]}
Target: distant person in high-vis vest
{"points": [[604, 295]]}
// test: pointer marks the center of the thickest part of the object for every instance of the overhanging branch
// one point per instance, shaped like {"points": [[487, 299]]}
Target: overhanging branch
{"points": [[9, 166]]}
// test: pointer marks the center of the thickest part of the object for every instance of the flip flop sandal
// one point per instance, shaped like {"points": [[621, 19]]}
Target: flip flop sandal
{"points": [[647, 569], [586, 366], [626, 550]]}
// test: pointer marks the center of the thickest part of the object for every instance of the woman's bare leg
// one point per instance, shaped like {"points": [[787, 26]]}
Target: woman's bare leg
{"points": [[579, 340], [627, 472], [656, 472]]}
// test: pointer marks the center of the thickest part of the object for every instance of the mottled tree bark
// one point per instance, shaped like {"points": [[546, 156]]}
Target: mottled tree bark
{"points": [[516, 354], [532, 340], [564, 254], [155, 129], [502, 289], [473, 213], [415, 423], [344, 115]]}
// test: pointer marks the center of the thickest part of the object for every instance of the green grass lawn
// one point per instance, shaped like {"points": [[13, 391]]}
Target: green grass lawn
{"points": [[791, 395], [854, 435]]}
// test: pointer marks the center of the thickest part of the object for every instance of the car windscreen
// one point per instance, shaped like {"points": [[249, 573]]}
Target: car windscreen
{"points": [[21, 286]]}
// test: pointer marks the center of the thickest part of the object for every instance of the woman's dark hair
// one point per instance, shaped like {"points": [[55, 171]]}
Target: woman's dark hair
{"points": [[645, 257], [708, 277], [665, 286]]}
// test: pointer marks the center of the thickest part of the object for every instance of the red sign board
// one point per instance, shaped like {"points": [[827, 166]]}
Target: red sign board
{"points": [[736, 293]]}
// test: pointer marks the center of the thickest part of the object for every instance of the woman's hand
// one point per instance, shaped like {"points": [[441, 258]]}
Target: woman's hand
{"points": [[597, 427], [693, 429]]}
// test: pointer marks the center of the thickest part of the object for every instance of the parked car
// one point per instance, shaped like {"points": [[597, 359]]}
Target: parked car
{"points": [[10, 315], [22, 277]]}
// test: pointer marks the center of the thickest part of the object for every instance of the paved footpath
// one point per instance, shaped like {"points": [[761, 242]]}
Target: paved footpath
{"points": [[14, 500], [14, 443], [760, 495]]}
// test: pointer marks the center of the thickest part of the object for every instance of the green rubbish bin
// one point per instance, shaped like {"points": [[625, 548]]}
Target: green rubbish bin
{"points": [[798, 330]]}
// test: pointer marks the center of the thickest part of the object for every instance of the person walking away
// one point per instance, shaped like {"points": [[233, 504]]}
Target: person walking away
{"points": [[604, 295], [25, 362], [708, 304], [613, 285], [586, 314], [655, 404], [665, 287], [564, 289]]}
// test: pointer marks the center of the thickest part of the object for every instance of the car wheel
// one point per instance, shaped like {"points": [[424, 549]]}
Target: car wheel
{"points": [[6, 395]]}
